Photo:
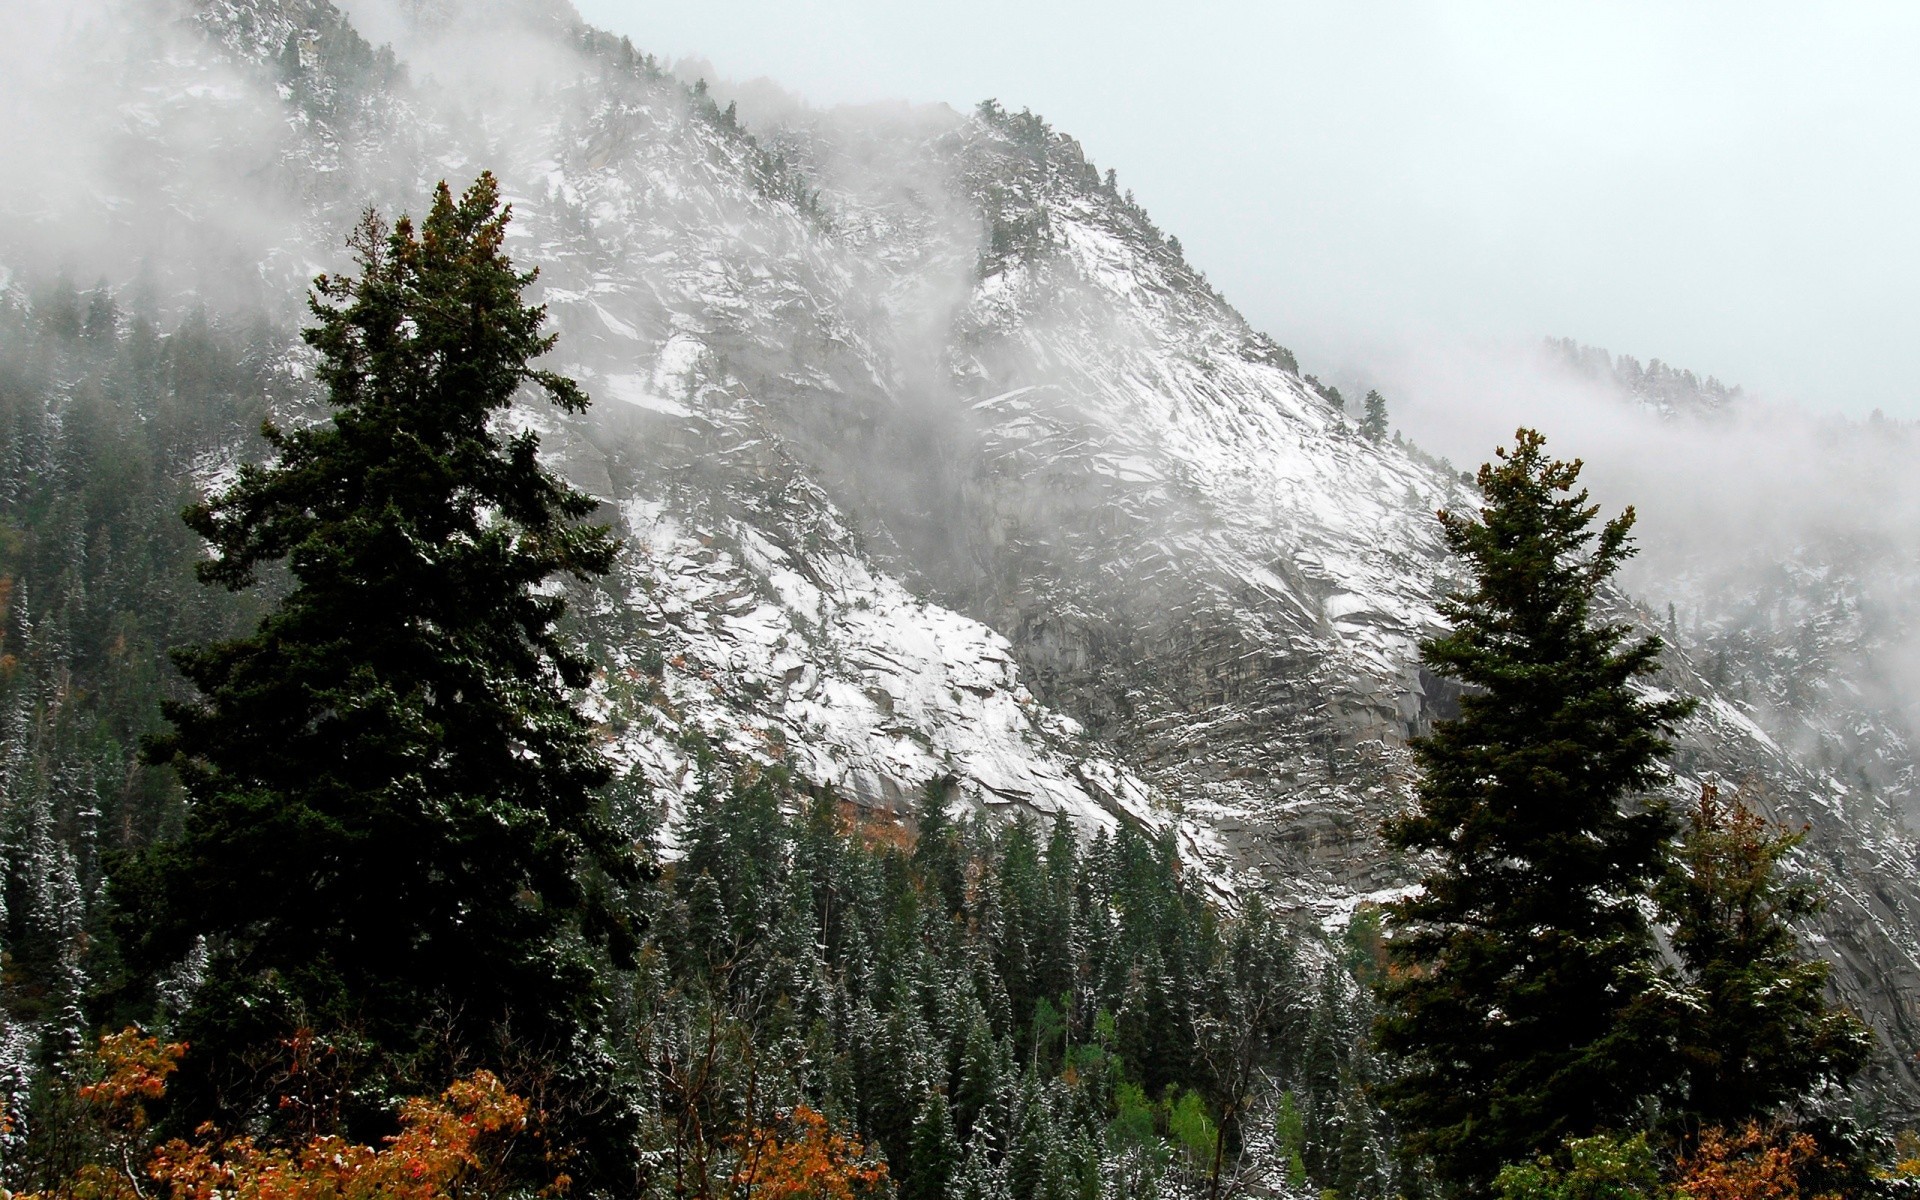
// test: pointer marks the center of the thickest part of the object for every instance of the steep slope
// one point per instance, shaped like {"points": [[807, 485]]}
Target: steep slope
{"points": [[1786, 564], [937, 461]]}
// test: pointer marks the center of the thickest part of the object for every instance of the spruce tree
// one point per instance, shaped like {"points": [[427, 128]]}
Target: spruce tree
{"points": [[1374, 422], [936, 1153], [978, 1180], [1034, 1145], [1762, 1033], [394, 837], [1524, 1002], [980, 1080], [937, 850], [1018, 941]]}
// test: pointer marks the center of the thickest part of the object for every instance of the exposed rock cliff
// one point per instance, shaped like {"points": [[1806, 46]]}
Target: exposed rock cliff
{"points": [[936, 460]]}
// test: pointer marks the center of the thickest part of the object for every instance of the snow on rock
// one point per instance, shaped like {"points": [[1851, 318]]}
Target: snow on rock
{"points": [[837, 672], [935, 459]]}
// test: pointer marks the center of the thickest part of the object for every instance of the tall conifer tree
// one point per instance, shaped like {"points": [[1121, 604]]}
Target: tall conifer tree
{"points": [[1523, 998], [393, 835], [1762, 1033], [1374, 423]]}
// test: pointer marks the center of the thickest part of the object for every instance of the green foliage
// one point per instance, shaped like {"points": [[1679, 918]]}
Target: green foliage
{"points": [[1523, 993], [1762, 1033], [1373, 424], [1290, 1137], [105, 419], [936, 1153], [332, 72], [1134, 1116], [788, 913], [1602, 1167], [936, 848], [396, 837], [1192, 1129], [399, 831]]}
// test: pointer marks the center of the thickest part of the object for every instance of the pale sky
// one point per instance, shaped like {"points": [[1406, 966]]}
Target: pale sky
{"points": [[1728, 187]]}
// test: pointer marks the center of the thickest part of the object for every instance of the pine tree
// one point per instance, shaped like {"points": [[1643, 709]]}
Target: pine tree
{"points": [[936, 848], [1322, 1075], [978, 1180], [1054, 951], [394, 835], [1524, 999], [893, 1075], [1032, 1140], [1360, 1162], [1763, 1034], [1374, 423], [45, 979], [979, 1080], [936, 1153], [1248, 1012], [1017, 939]]}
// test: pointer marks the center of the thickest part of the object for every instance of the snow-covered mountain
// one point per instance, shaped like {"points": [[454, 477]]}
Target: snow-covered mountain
{"points": [[936, 460]]}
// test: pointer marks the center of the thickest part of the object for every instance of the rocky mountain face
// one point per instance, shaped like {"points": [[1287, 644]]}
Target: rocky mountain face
{"points": [[937, 462]]}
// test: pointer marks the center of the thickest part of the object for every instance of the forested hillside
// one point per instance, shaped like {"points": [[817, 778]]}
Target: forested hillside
{"points": [[108, 427], [808, 988], [1006, 1009], [983, 764]]}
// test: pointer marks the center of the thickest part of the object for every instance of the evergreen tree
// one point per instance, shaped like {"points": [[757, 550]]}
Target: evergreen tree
{"points": [[1374, 422], [936, 1153], [980, 1080], [893, 1078], [1019, 938], [1031, 1156], [394, 836], [1763, 1034], [1153, 1040], [1054, 948], [44, 979], [936, 847], [1322, 1075], [1361, 1161], [978, 1180], [1524, 1004]]}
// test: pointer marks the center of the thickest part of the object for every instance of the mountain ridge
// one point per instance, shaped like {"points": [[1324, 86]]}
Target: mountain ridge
{"points": [[939, 463]]}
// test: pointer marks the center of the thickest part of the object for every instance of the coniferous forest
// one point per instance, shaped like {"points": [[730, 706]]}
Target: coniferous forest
{"points": [[347, 901]]}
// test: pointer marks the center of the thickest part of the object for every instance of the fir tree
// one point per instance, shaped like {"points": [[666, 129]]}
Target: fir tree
{"points": [[1374, 422], [980, 1080], [1524, 1001], [936, 847], [1019, 938], [394, 836], [1763, 1034], [1034, 1149], [936, 1153], [1323, 1076], [45, 981], [978, 1180]]}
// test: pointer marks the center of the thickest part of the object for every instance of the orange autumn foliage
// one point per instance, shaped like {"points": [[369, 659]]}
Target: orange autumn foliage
{"points": [[109, 1121], [450, 1147], [1754, 1164], [803, 1159], [133, 1070], [447, 1148]]}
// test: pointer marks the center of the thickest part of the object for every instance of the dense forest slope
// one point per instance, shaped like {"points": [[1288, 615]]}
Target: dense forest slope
{"points": [[935, 458]]}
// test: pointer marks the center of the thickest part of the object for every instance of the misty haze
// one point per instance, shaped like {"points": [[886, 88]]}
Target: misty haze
{"points": [[652, 602]]}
